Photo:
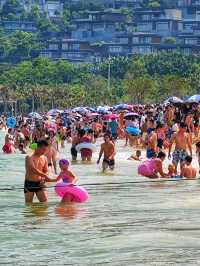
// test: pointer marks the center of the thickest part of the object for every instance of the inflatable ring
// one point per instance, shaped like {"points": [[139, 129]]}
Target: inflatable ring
{"points": [[85, 145], [11, 122], [78, 193], [133, 130]]}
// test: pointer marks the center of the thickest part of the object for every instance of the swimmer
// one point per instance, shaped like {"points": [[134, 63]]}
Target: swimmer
{"points": [[108, 150], [67, 177], [36, 174], [136, 157], [188, 170]]}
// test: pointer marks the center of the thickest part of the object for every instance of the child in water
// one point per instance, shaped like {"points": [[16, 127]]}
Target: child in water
{"points": [[66, 176], [171, 170], [188, 170], [136, 157]]}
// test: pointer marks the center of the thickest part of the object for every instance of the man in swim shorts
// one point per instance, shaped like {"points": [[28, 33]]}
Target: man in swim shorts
{"points": [[108, 150], [182, 144], [36, 174], [152, 144]]}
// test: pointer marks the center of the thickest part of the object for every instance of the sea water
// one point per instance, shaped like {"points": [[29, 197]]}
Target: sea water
{"points": [[123, 223]]}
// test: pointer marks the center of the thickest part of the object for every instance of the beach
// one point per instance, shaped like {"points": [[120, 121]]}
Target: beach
{"points": [[123, 223]]}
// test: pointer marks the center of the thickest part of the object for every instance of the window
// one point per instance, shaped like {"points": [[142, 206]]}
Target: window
{"points": [[115, 49], [71, 55], [144, 27], [65, 46], [53, 46], [146, 17], [190, 41], [74, 46], [162, 26], [142, 50], [145, 39], [46, 54], [135, 40], [123, 40]]}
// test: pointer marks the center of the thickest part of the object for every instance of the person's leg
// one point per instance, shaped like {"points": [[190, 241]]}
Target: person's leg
{"points": [[175, 160], [104, 166], [42, 196], [29, 197]]}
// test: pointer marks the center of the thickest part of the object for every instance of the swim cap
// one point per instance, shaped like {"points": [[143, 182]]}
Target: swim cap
{"points": [[64, 162]]}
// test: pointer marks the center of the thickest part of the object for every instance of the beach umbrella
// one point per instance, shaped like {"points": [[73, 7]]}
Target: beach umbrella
{"points": [[81, 110], [173, 100], [129, 115], [93, 114], [103, 109], [35, 115], [193, 99], [110, 116], [123, 106], [53, 112]]}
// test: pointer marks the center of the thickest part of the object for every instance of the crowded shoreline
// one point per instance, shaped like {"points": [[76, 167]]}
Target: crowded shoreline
{"points": [[163, 131]]}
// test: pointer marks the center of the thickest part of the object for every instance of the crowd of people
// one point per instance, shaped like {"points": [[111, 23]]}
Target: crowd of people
{"points": [[161, 130]]}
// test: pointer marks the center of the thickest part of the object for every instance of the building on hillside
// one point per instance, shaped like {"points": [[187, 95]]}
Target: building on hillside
{"points": [[11, 26], [75, 51], [52, 7], [166, 22], [99, 26]]}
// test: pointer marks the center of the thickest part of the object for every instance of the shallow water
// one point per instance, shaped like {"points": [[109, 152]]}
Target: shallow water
{"points": [[128, 224]]}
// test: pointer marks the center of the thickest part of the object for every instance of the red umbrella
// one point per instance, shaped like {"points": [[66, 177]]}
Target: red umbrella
{"points": [[110, 117]]}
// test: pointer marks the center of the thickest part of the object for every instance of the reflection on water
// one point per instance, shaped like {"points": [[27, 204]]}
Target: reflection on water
{"points": [[68, 211], [122, 224], [36, 209]]}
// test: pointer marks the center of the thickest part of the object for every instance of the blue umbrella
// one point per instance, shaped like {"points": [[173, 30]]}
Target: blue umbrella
{"points": [[103, 109], [173, 100], [194, 99], [81, 110], [35, 115]]}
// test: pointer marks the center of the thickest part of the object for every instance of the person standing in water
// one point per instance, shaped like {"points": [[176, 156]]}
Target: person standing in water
{"points": [[182, 145], [51, 154], [108, 150], [36, 174]]}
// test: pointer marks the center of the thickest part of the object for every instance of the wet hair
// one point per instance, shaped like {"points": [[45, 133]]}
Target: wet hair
{"points": [[81, 132], [107, 135], [188, 159], [198, 144], [138, 152], [161, 154], [42, 143], [183, 125], [21, 145]]}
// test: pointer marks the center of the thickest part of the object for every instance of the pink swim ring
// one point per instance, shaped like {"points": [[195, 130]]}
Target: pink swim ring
{"points": [[79, 193]]}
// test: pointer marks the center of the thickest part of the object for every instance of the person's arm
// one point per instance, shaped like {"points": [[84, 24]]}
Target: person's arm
{"points": [[54, 161], [34, 170], [170, 146], [189, 145], [100, 154], [111, 157], [160, 169]]}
